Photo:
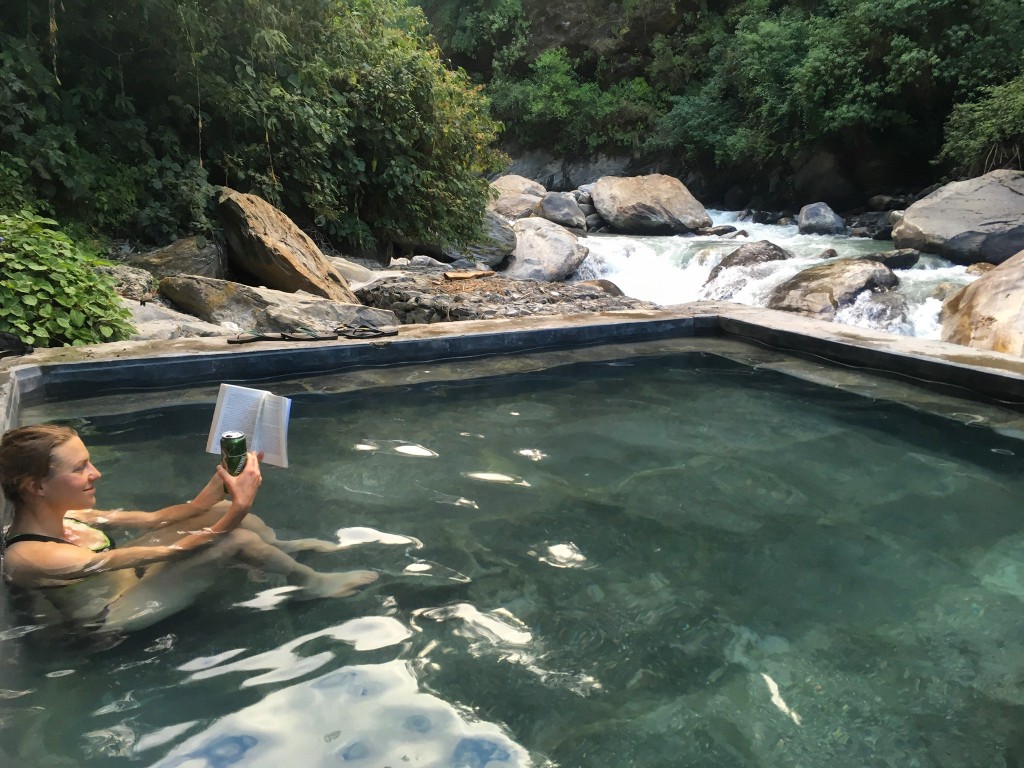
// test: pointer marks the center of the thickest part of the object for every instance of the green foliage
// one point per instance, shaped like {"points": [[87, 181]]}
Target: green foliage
{"points": [[988, 133], [556, 109], [50, 293], [482, 30], [748, 84], [843, 73], [58, 153], [339, 111]]}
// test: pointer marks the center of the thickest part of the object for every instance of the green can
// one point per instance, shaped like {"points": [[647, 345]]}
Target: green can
{"points": [[232, 451]]}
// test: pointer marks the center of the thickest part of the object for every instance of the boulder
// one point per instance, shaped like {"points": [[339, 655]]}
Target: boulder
{"points": [[544, 251], [561, 208], [748, 254], [265, 243], [518, 185], [721, 229], [354, 274], [821, 290], [153, 320], [873, 224], [903, 258], [886, 203], [594, 221], [980, 268], [989, 313], [655, 204], [605, 286], [556, 172], [188, 256], [498, 242], [264, 309], [980, 219], [819, 219], [515, 205], [131, 283]]}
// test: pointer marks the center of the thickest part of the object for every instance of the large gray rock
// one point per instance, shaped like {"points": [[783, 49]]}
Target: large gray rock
{"points": [[822, 290], [748, 254], [518, 185], [497, 244], [989, 313], [559, 173], [980, 219], [153, 320], [561, 208], [544, 251], [655, 204], [264, 309], [515, 205], [131, 283], [265, 243], [819, 219], [188, 256], [354, 274]]}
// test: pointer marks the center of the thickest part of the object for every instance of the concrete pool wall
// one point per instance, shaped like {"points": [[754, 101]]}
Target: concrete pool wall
{"points": [[72, 373]]}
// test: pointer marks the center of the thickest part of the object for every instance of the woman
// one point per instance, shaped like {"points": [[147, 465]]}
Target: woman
{"points": [[55, 546]]}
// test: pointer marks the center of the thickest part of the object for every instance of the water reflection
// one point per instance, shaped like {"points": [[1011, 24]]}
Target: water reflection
{"points": [[360, 715], [285, 663]]}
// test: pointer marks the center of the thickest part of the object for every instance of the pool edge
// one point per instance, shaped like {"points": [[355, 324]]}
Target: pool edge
{"points": [[61, 373]]}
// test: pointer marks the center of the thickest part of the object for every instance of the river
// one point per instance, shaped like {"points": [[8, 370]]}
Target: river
{"points": [[674, 269]]}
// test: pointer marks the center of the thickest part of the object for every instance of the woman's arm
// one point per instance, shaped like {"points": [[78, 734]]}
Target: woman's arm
{"points": [[211, 494], [38, 564]]}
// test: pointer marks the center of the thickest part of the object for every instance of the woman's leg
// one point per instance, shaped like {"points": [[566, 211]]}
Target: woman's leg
{"points": [[169, 587], [172, 533]]}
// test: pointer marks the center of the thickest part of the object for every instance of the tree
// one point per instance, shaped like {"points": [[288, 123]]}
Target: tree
{"points": [[339, 111]]}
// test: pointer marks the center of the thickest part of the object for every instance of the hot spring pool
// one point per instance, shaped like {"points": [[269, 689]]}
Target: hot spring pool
{"points": [[677, 559]]}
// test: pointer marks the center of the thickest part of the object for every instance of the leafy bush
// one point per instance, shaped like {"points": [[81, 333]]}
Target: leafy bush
{"points": [[556, 109], [50, 294], [988, 133], [341, 112]]}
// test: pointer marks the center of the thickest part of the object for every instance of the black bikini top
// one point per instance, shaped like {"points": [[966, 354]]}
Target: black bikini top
{"points": [[33, 537], [107, 543]]}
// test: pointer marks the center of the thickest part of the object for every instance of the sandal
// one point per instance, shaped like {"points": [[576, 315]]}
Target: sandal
{"points": [[364, 331], [247, 337], [305, 333]]}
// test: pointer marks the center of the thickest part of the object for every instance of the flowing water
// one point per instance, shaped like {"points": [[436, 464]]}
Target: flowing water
{"points": [[673, 270], [662, 562]]}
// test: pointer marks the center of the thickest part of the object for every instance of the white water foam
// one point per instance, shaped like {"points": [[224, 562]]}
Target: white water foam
{"points": [[675, 269]]}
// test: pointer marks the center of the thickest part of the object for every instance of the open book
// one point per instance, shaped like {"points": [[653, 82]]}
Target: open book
{"points": [[262, 416]]}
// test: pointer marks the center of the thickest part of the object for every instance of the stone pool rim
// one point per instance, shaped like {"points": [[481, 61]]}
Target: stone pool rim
{"points": [[71, 373]]}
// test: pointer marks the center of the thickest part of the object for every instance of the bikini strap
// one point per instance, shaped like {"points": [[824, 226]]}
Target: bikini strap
{"points": [[33, 537]]}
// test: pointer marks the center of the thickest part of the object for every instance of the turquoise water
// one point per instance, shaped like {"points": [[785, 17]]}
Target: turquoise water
{"points": [[674, 561]]}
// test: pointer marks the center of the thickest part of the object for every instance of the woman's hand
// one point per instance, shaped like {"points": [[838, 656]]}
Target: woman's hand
{"points": [[242, 488]]}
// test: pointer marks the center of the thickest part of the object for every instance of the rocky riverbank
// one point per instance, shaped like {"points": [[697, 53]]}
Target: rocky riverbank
{"points": [[270, 277]]}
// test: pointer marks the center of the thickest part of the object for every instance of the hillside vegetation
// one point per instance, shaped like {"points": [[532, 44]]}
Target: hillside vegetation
{"points": [[119, 117], [750, 88]]}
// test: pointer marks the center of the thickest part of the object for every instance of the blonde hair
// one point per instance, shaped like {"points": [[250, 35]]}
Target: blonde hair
{"points": [[26, 453]]}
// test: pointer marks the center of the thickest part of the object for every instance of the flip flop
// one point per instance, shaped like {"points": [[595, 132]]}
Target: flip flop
{"points": [[308, 334], [364, 332], [248, 337]]}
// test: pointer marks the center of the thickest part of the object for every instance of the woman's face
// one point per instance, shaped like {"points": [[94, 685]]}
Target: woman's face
{"points": [[71, 483]]}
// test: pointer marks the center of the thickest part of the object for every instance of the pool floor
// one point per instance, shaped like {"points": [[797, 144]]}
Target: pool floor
{"points": [[666, 560]]}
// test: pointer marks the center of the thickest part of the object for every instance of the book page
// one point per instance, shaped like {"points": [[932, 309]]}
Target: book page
{"points": [[260, 415], [271, 434]]}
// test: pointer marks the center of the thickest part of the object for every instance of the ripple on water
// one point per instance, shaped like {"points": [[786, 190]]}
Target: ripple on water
{"points": [[362, 715]]}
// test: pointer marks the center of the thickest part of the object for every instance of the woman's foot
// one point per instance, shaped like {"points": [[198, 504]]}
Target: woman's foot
{"points": [[307, 545], [338, 584]]}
